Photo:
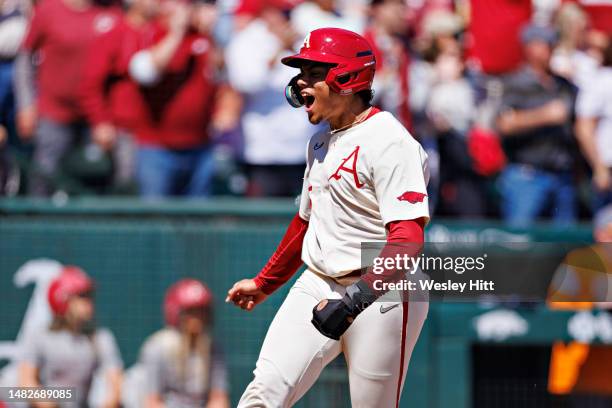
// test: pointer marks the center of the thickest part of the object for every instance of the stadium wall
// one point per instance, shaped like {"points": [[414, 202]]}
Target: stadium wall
{"points": [[135, 250]]}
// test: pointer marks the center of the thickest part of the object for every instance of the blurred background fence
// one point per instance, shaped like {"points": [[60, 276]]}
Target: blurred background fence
{"points": [[136, 249]]}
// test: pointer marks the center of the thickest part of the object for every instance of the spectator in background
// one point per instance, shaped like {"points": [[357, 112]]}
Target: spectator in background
{"points": [[184, 366], [440, 32], [108, 94], [72, 350], [450, 105], [388, 35], [438, 35], [12, 29], [176, 69], [600, 14], [536, 127], [61, 33], [451, 111], [594, 128], [313, 14], [569, 58], [584, 27], [275, 134]]}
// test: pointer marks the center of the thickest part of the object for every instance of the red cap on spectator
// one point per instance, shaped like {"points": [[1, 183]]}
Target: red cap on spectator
{"points": [[185, 294], [71, 281]]}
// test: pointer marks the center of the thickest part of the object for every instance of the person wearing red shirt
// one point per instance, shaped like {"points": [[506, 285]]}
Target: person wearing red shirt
{"points": [[61, 32], [493, 37], [108, 95], [175, 70]]}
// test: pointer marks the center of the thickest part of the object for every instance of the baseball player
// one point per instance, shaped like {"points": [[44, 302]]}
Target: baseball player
{"points": [[184, 367], [365, 180], [72, 349]]}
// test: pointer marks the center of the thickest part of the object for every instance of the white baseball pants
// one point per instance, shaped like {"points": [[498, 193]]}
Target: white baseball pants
{"points": [[377, 347]]}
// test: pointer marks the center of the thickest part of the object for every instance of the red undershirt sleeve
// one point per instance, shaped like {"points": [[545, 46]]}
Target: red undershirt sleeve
{"points": [[286, 260], [404, 237]]}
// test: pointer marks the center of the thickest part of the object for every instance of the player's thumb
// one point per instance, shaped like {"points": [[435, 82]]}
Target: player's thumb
{"points": [[232, 292]]}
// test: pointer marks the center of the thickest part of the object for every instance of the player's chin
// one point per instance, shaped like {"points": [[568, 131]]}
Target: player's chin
{"points": [[313, 118]]}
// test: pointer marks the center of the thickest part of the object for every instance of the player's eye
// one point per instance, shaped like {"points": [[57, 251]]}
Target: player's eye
{"points": [[317, 74]]}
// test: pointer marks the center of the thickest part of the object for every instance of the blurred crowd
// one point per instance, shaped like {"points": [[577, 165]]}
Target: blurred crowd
{"points": [[512, 99]]}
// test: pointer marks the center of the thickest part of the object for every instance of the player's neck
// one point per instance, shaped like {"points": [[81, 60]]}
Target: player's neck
{"points": [[355, 113]]}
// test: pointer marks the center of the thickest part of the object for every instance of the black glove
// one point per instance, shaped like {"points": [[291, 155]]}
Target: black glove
{"points": [[332, 317]]}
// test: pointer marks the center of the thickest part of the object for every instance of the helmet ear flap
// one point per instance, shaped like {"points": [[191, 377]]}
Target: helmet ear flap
{"points": [[350, 79], [292, 93], [339, 80]]}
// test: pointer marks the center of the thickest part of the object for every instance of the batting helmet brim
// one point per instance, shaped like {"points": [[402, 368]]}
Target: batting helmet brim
{"points": [[297, 60]]}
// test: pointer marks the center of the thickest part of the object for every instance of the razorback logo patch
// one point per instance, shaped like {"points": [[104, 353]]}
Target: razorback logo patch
{"points": [[412, 197]]}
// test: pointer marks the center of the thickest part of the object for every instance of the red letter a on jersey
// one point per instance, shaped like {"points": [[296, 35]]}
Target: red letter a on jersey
{"points": [[353, 169]]}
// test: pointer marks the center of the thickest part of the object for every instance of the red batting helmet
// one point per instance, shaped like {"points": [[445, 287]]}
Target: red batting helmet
{"points": [[71, 281], [350, 53], [185, 294]]}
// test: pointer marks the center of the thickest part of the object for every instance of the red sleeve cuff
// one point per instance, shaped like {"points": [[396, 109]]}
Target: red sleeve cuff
{"points": [[404, 238]]}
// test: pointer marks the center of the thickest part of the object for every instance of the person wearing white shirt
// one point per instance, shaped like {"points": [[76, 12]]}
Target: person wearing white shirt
{"points": [[275, 135], [594, 129], [314, 14]]}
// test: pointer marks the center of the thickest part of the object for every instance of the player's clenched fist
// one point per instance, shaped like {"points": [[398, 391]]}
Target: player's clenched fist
{"points": [[245, 294], [332, 317]]}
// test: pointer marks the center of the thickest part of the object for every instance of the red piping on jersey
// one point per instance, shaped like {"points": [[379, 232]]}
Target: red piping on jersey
{"points": [[286, 260], [373, 112], [400, 378]]}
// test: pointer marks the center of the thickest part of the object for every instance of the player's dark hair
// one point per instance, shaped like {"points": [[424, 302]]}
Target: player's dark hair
{"points": [[607, 54], [366, 96]]}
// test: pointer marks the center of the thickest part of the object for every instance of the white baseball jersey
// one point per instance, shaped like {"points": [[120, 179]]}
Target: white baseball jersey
{"points": [[595, 101], [356, 182]]}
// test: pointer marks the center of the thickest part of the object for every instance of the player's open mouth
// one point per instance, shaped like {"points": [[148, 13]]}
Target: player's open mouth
{"points": [[309, 100]]}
